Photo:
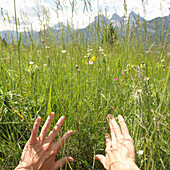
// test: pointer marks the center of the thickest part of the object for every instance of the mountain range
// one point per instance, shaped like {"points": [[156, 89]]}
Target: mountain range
{"points": [[155, 28]]}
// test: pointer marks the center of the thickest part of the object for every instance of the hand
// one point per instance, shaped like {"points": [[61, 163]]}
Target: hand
{"points": [[120, 153], [39, 153]]}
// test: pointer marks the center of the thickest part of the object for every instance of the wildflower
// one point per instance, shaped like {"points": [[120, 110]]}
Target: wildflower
{"points": [[162, 60], [78, 70], [76, 66], [88, 54], [163, 66], [146, 78], [47, 47], [124, 71], [92, 59], [143, 62], [112, 107], [139, 90], [45, 65], [100, 50], [140, 152], [115, 79], [90, 62], [31, 62], [63, 51]]}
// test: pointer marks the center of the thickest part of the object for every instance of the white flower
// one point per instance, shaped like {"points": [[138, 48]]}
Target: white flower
{"points": [[140, 152], [63, 51], [45, 65], [162, 60], [146, 78], [90, 62], [47, 47], [100, 50], [31, 62], [140, 90]]}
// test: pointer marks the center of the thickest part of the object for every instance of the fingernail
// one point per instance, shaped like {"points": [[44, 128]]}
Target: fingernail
{"points": [[110, 116], [70, 131], [119, 117], [62, 117], [70, 159]]}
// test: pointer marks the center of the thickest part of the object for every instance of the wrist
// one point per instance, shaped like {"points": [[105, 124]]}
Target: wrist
{"points": [[123, 166]]}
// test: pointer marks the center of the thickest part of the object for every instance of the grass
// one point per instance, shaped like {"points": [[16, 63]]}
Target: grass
{"points": [[36, 80]]}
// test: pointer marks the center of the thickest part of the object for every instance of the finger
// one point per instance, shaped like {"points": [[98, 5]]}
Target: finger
{"points": [[56, 129], [62, 162], [102, 159], [114, 128], [108, 141], [57, 145], [46, 126], [35, 129], [123, 126]]}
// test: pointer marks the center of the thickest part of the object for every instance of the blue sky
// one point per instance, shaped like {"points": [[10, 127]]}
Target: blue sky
{"points": [[31, 12]]}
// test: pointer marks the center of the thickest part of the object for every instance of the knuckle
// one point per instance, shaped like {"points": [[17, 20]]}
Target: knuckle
{"points": [[45, 128], [124, 127], [47, 147], [116, 127], [52, 153]]}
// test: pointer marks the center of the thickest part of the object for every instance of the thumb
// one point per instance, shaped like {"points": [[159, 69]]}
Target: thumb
{"points": [[102, 159]]}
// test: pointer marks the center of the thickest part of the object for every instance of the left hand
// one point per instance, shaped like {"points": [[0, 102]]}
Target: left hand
{"points": [[40, 152]]}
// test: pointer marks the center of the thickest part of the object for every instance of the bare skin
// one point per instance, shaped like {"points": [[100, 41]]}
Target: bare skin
{"points": [[39, 152], [120, 152]]}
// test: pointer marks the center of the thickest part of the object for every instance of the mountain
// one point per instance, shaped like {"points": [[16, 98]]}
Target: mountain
{"points": [[157, 23], [134, 19], [116, 20], [100, 21], [153, 28]]}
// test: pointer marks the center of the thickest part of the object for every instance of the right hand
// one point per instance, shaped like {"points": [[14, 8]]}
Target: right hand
{"points": [[120, 152]]}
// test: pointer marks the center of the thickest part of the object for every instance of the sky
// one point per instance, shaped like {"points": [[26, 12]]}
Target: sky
{"points": [[34, 14]]}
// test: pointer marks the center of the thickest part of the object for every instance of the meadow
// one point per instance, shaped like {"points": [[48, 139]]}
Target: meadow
{"points": [[85, 81]]}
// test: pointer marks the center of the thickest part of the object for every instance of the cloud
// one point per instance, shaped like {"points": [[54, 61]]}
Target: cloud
{"points": [[36, 13]]}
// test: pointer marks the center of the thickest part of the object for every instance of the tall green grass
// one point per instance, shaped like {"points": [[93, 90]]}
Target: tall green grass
{"points": [[48, 81]]}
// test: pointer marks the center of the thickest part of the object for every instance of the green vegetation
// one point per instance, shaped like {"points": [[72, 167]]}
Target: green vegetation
{"points": [[128, 77]]}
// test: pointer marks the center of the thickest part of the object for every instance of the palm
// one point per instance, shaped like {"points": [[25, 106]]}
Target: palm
{"points": [[40, 153]]}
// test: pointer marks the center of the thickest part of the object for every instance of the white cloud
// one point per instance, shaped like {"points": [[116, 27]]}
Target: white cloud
{"points": [[40, 12]]}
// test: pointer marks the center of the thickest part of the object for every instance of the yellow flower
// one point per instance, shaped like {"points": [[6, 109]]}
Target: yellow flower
{"points": [[92, 59]]}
